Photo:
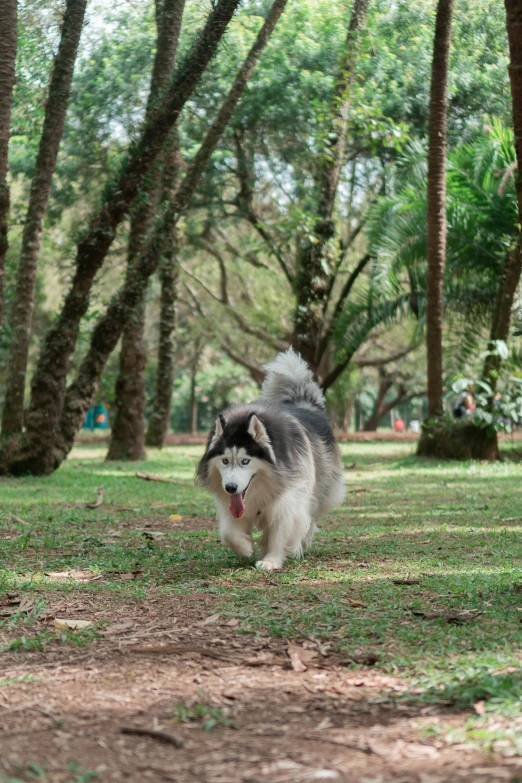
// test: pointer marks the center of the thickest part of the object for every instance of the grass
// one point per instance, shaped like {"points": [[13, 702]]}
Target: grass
{"points": [[454, 527], [208, 714]]}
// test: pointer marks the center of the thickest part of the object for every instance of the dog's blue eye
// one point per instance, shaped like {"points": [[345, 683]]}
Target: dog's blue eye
{"points": [[245, 461], [225, 461]]}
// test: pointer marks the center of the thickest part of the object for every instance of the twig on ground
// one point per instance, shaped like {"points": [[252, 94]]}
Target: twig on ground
{"points": [[169, 649], [330, 740], [162, 736], [150, 477], [99, 500], [19, 520]]}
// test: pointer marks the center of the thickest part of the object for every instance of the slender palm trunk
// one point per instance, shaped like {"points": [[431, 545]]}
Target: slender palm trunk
{"points": [[36, 452], [316, 256], [437, 203], [8, 17], [54, 121], [128, 429]]}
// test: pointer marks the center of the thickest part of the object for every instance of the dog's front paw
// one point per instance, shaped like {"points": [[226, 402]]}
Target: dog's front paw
{"points": [[269, 564], [243, 546]]}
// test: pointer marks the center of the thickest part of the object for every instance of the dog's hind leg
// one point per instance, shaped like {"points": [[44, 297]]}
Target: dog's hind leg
{"points": [[309, 536]]}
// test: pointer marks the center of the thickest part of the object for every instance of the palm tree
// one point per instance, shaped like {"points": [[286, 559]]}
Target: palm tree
{"points": [[482, 229], [437, 203]]}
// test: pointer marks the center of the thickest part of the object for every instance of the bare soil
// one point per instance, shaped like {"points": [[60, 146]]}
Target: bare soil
{"points": [[328, 722]]}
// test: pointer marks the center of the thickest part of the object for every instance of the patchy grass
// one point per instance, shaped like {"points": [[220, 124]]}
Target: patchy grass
{"points": [[450, 531]]}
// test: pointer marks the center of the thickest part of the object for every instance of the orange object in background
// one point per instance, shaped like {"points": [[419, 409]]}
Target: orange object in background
{"points": [[100, 419], [399, 425]]}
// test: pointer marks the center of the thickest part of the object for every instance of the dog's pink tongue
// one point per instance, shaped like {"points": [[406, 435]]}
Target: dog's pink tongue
{"points": [[237, 507]]}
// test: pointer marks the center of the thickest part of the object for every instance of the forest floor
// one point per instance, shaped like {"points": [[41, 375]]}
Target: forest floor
{"points": [[392, 652]]}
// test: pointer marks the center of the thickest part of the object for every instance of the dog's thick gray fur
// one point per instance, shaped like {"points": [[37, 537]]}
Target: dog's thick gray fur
{"points": [[274, 464]]}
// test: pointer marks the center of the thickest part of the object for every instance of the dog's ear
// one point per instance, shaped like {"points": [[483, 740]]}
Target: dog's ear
{"points": [[257, 430], [218, 429]]}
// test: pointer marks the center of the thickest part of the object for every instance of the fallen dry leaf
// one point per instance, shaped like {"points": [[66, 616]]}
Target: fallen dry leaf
{"points": [[451, 617], [480, 708], [324, 599], [406, 581], [71, 625], [299, 656], [232, 623], [151, 534], [133, 575], [209, 620], [175, 518], [355, 603], [117, 628]]}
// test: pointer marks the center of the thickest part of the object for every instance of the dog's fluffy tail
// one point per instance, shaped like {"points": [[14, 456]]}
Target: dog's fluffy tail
{"points": [[289, 379]]}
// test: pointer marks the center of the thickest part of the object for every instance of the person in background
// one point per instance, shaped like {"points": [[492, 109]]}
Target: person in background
{"points": [[465, 405]]}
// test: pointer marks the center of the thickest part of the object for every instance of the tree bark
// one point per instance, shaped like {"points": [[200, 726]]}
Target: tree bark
{"points": [[315, 257], [385, 384], [36, 453], [160, 417], [52, 131], [437, 203], [81, 392], [8, 19], [128, 428], [193, 396]]}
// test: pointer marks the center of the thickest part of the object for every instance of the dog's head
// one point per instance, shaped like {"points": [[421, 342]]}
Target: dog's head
{"points": [[238, 448]]}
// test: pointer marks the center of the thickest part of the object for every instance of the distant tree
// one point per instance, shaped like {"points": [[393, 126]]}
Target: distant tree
{"points": [[128, 425], [35, 451], [8, 19], [108, 330], [315, 259]]}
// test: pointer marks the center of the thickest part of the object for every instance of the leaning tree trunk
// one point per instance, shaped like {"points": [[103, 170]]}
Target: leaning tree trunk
{"points": [[8, 16], [107, 332], [128, 428], [429, 440], [36, 452], [54, 121], [316, 257]]}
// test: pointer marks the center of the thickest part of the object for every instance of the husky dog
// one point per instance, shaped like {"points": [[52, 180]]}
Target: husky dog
{"points": [[274, 464]]}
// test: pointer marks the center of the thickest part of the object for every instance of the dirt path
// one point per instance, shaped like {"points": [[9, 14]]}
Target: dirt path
{"points": [[65, 708]]}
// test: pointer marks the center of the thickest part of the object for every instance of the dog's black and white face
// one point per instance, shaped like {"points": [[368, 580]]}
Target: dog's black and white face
{"points": [[237, 451]]}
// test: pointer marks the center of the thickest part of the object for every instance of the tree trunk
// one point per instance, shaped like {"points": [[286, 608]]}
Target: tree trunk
{"points": [[159, 420], [128, 429], [8, 18], [193, 398], [315, 257], [54, 120], [373, 420], [437, 203], [36, 454], [81, 392]]}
